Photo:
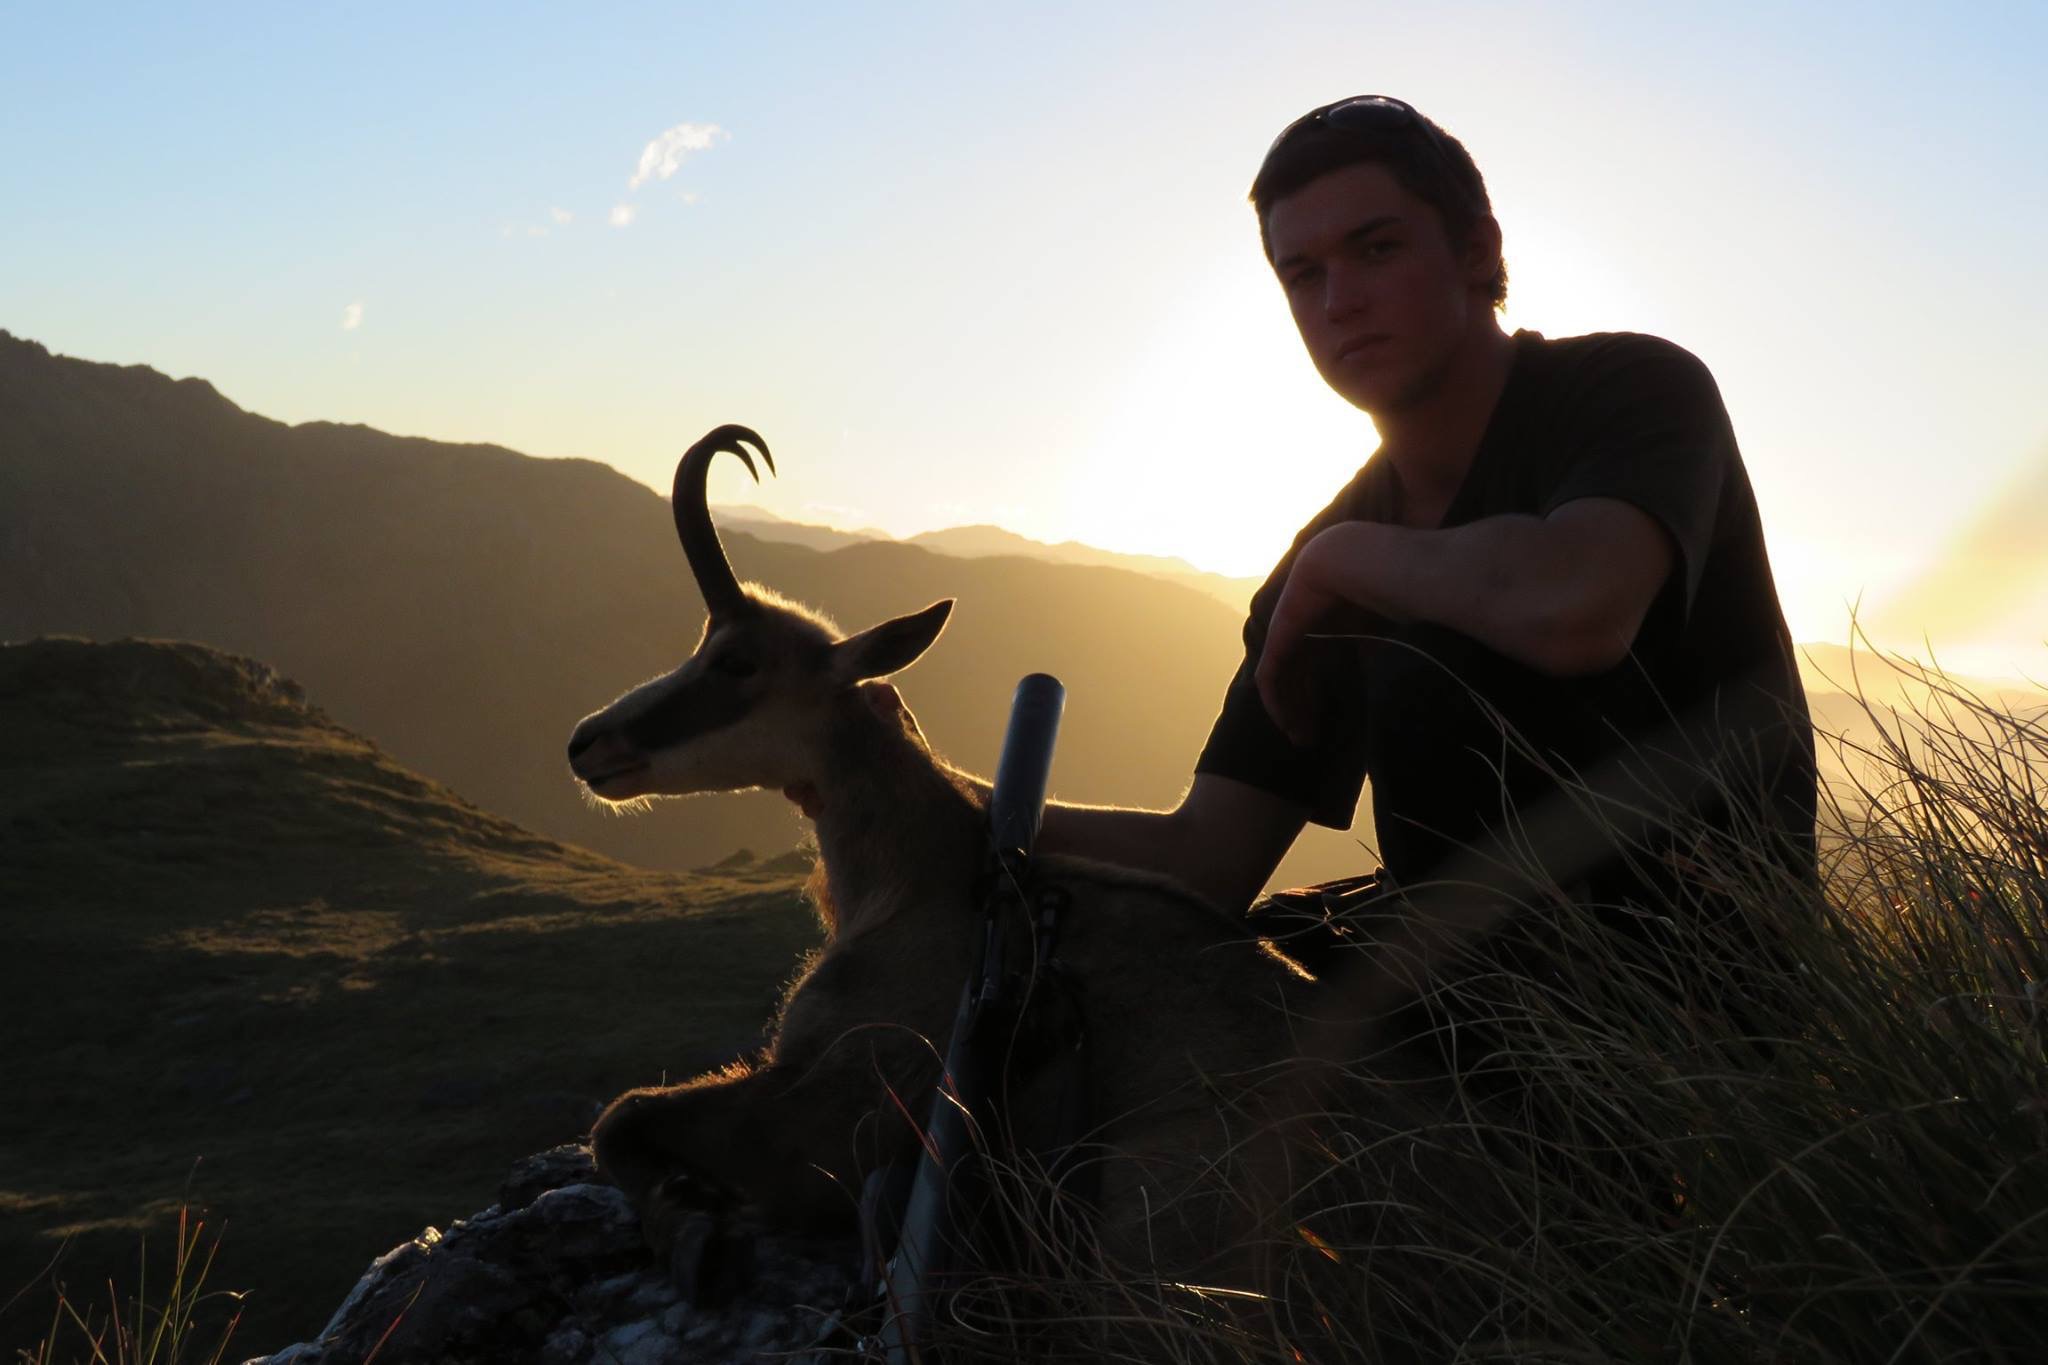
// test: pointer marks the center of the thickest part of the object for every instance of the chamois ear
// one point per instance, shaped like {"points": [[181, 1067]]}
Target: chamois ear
{"points": [[881, 650]]}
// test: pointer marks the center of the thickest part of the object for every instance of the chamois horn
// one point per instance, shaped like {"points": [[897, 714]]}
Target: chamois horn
{"points": [[722, 595]]}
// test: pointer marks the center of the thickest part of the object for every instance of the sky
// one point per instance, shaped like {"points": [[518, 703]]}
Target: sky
{"points": [[964, 263]]}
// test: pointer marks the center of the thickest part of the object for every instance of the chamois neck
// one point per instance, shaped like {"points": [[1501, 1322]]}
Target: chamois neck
{"points": [[895, 826]]}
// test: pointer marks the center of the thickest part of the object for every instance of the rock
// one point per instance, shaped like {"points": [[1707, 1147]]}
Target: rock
{"points": [[622, 1339], [556, 1272], [550, 1170], [565, 1346]]}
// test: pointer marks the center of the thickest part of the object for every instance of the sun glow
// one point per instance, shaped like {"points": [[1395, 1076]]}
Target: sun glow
{"points": [[1225, 441], [1560, 283]]}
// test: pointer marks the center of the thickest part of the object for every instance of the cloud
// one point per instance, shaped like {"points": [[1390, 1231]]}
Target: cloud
{"points": [[622, 215], [660, 158], [1985, 574], [352, 317], [562, 215]]}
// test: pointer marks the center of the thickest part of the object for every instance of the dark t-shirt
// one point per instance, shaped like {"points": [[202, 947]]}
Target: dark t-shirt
{"points": [[1466, 747]]}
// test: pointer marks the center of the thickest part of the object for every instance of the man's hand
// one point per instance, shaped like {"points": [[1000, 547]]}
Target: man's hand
{"points": [[1286, 676]]}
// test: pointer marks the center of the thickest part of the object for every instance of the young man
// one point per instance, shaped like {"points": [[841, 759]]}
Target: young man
{"points": [[1540, 619]]}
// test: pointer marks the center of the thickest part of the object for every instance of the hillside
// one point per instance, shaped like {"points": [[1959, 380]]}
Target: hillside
{"points": [[252, 958], [464, 605]]}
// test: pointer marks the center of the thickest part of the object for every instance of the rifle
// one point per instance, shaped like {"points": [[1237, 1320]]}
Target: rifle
{"points": [[948, 1173], [908, 1217]]}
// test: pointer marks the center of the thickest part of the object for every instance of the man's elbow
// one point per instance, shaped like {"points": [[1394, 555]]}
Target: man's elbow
{"points": [[1578, 641], [1586, 591]]}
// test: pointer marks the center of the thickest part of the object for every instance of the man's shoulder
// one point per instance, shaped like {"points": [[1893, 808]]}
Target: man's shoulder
{"points": [[1596, 356]]}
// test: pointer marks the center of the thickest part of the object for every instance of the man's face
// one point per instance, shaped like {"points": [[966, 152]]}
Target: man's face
{"points": [[1380, 296]]}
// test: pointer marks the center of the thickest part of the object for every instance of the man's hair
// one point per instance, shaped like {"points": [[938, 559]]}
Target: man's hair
{"points": [[1424, 160]]}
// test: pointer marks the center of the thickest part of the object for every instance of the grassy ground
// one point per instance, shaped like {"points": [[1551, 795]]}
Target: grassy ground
{"points": [[254, 966]]}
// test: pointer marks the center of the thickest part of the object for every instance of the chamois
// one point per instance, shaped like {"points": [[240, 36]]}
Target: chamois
{"points": [[1182, 1004]]}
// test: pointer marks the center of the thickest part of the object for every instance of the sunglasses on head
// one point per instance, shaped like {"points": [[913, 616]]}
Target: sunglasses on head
{"points": [[1359, 114], [1376, 114]]}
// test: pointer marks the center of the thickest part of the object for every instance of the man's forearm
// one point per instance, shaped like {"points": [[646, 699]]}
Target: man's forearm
{"points": [[1221, 842], [1563, 594], [1126, 836], [1129, 837], [1500, 581]]}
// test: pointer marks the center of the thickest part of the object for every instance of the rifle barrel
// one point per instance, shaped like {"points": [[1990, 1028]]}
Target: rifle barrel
{"points": [[1018, 805]]}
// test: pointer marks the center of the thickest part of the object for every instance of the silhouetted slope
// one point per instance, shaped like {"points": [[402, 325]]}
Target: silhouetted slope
{"points": [[762, 524], [249, 956], [979, 541], [464, 605], [425, 591], [236, 763]]}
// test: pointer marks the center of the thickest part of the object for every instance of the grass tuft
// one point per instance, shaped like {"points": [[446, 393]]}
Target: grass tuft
{"points": [[167, 1332]]}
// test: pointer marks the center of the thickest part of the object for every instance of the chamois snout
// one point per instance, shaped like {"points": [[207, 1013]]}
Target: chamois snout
{"points": [[604, 759]]}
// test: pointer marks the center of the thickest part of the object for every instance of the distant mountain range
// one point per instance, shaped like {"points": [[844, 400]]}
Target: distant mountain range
{"points": [[464, 605], [762, 524], [982, 542]]}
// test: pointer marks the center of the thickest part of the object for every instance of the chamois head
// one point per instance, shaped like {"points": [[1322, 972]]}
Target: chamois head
{"points": [[756, 703]]}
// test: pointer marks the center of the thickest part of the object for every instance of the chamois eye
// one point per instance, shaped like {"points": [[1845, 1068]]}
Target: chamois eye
{"points": [[735, 666]]}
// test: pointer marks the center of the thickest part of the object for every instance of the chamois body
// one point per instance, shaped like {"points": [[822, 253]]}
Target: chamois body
{"points": [[1182, 1009], [1185, 1011]]}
